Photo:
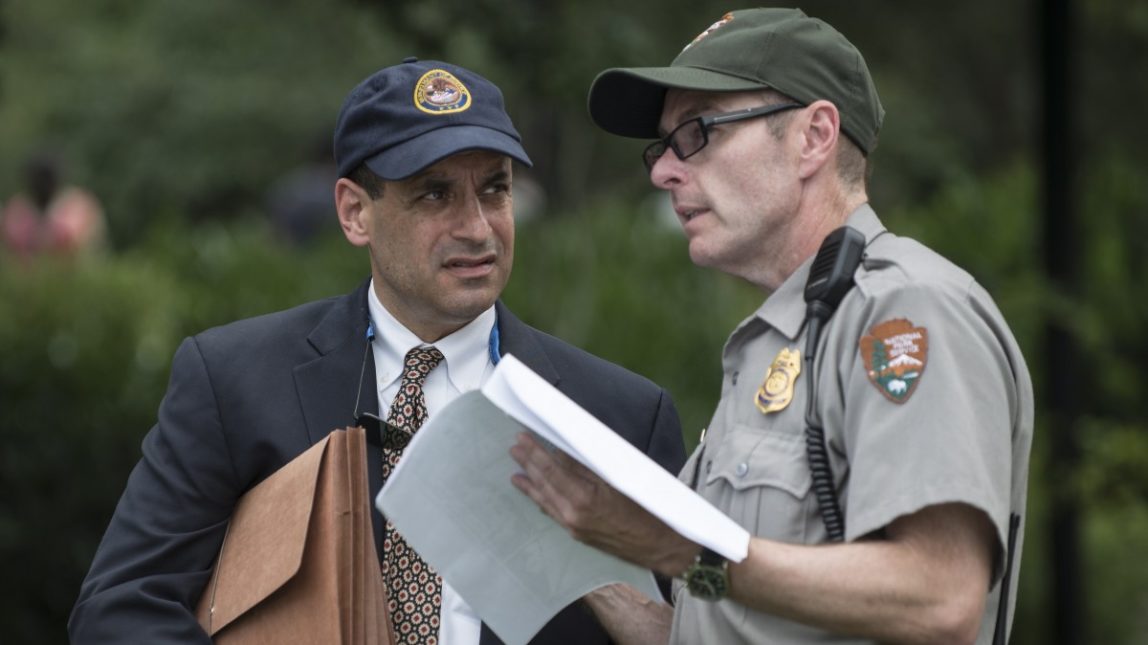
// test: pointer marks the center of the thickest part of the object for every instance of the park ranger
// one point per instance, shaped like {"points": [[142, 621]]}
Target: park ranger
{"points": [[876, 413]]}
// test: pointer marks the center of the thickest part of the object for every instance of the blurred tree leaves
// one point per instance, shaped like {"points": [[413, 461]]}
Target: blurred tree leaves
{"points": [[85, 360], [617, 281], [178, 109], [193, 108]]}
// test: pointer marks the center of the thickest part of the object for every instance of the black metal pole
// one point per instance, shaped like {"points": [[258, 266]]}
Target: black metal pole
{"points": [[1061, 355]]}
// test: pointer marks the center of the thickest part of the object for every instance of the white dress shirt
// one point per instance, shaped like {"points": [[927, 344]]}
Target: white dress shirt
{"points": [[466, 365]]}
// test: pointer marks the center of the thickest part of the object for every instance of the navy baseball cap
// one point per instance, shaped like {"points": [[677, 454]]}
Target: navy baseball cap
{"points": [[406, 117]]}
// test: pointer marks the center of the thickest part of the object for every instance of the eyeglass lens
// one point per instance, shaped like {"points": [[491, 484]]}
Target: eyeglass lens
{"points": [[685, 140]]}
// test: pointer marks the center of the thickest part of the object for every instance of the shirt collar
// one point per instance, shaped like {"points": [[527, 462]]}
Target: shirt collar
{"points": [[784, 309], [464, 351]]}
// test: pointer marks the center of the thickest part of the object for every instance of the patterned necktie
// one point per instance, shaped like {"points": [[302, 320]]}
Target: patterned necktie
{"points": [[414, 590]]}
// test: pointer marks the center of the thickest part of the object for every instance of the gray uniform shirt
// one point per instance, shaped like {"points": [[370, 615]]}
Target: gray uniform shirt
{"points": [[924, 397]]}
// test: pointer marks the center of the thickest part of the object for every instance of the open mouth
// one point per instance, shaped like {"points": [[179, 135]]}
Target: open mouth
{"points": [[689, 215]]}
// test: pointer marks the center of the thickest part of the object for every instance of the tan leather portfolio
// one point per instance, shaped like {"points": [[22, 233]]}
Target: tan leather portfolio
{"points": [[298, 563]]}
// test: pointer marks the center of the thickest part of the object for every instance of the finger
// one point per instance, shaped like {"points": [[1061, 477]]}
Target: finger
{"points": [[548, 502], [535, 480], [528, 451], [523, 484], [555, 479], [524, 449], [548, 471], [573, 467], [558, 484]]}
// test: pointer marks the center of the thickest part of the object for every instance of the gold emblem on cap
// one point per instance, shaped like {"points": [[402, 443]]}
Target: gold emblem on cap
{"points": [[439, 92], [776, 391]]}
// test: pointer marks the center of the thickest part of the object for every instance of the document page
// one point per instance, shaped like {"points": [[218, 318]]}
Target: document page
{"points": [[452, 499]]}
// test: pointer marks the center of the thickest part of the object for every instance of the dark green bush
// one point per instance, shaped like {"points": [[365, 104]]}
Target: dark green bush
{"points": [[86, 351], [618, 282]]}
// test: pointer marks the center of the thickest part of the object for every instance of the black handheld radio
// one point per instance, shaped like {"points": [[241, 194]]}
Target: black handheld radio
{"points": [[830, 278]]}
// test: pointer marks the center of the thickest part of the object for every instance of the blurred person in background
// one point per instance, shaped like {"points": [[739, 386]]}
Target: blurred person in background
{"points": [[50, 217], [298, 204]]}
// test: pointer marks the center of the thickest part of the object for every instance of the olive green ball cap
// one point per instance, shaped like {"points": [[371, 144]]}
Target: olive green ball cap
{"points": [[753, 49]]}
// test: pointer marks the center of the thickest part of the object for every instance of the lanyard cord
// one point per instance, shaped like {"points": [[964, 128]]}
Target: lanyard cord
{"points": [[493, 347]]}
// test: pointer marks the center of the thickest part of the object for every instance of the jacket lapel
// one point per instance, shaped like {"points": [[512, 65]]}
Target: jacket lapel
{"points": [[516, 338], [329, 385], [344, 373]]}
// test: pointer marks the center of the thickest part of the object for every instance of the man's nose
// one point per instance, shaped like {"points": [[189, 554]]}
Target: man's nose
{"points": [[473, 222], [667, 171]]}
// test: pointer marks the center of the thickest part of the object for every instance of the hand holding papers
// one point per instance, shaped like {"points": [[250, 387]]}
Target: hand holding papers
{"points": [[452, 499], [564, 424]]}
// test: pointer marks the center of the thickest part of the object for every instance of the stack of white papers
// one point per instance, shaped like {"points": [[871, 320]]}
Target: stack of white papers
{"points": [[452, 500]]}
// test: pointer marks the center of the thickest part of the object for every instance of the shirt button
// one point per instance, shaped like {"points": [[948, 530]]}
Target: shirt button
{"points": [[709, 464], [742, 469], [733, 379]]}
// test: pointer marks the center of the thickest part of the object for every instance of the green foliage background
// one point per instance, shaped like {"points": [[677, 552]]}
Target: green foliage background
{"points": [[181, 115]]}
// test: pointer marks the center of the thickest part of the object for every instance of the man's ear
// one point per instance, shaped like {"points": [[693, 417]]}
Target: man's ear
{"points": [[822, 129], [353, 205]]}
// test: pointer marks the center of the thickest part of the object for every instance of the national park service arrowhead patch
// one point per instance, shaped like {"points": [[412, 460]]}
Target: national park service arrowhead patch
{"points": [[895, 353]]}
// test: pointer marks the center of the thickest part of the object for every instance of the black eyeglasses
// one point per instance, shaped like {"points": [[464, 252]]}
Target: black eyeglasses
{"points": [[690, 137]]}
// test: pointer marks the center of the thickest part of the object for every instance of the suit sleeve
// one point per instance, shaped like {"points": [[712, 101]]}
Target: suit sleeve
{"points": [[666, 445], [157, 552], [668, 449]]}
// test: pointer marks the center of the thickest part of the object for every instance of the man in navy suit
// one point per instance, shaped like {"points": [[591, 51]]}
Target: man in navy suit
{"points": [[424, 151]]}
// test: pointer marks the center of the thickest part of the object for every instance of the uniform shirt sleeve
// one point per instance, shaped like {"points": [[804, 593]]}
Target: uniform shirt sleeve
{"points": [[948, 437]]}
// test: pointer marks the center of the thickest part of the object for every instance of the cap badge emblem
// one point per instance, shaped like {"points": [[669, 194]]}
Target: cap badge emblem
{"points": [[439, 92], [895, 353], [724, 19], [776, 391]]}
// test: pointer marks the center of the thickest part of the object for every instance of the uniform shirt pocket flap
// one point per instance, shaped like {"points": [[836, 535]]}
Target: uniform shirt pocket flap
{"points": [[749, 457]]}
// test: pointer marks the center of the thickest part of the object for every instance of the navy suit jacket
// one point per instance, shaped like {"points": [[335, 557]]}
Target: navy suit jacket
{"points": [[246, 398]]}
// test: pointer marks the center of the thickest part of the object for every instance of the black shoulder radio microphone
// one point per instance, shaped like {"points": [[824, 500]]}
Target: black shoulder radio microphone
{"points": [[830, 278]]}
